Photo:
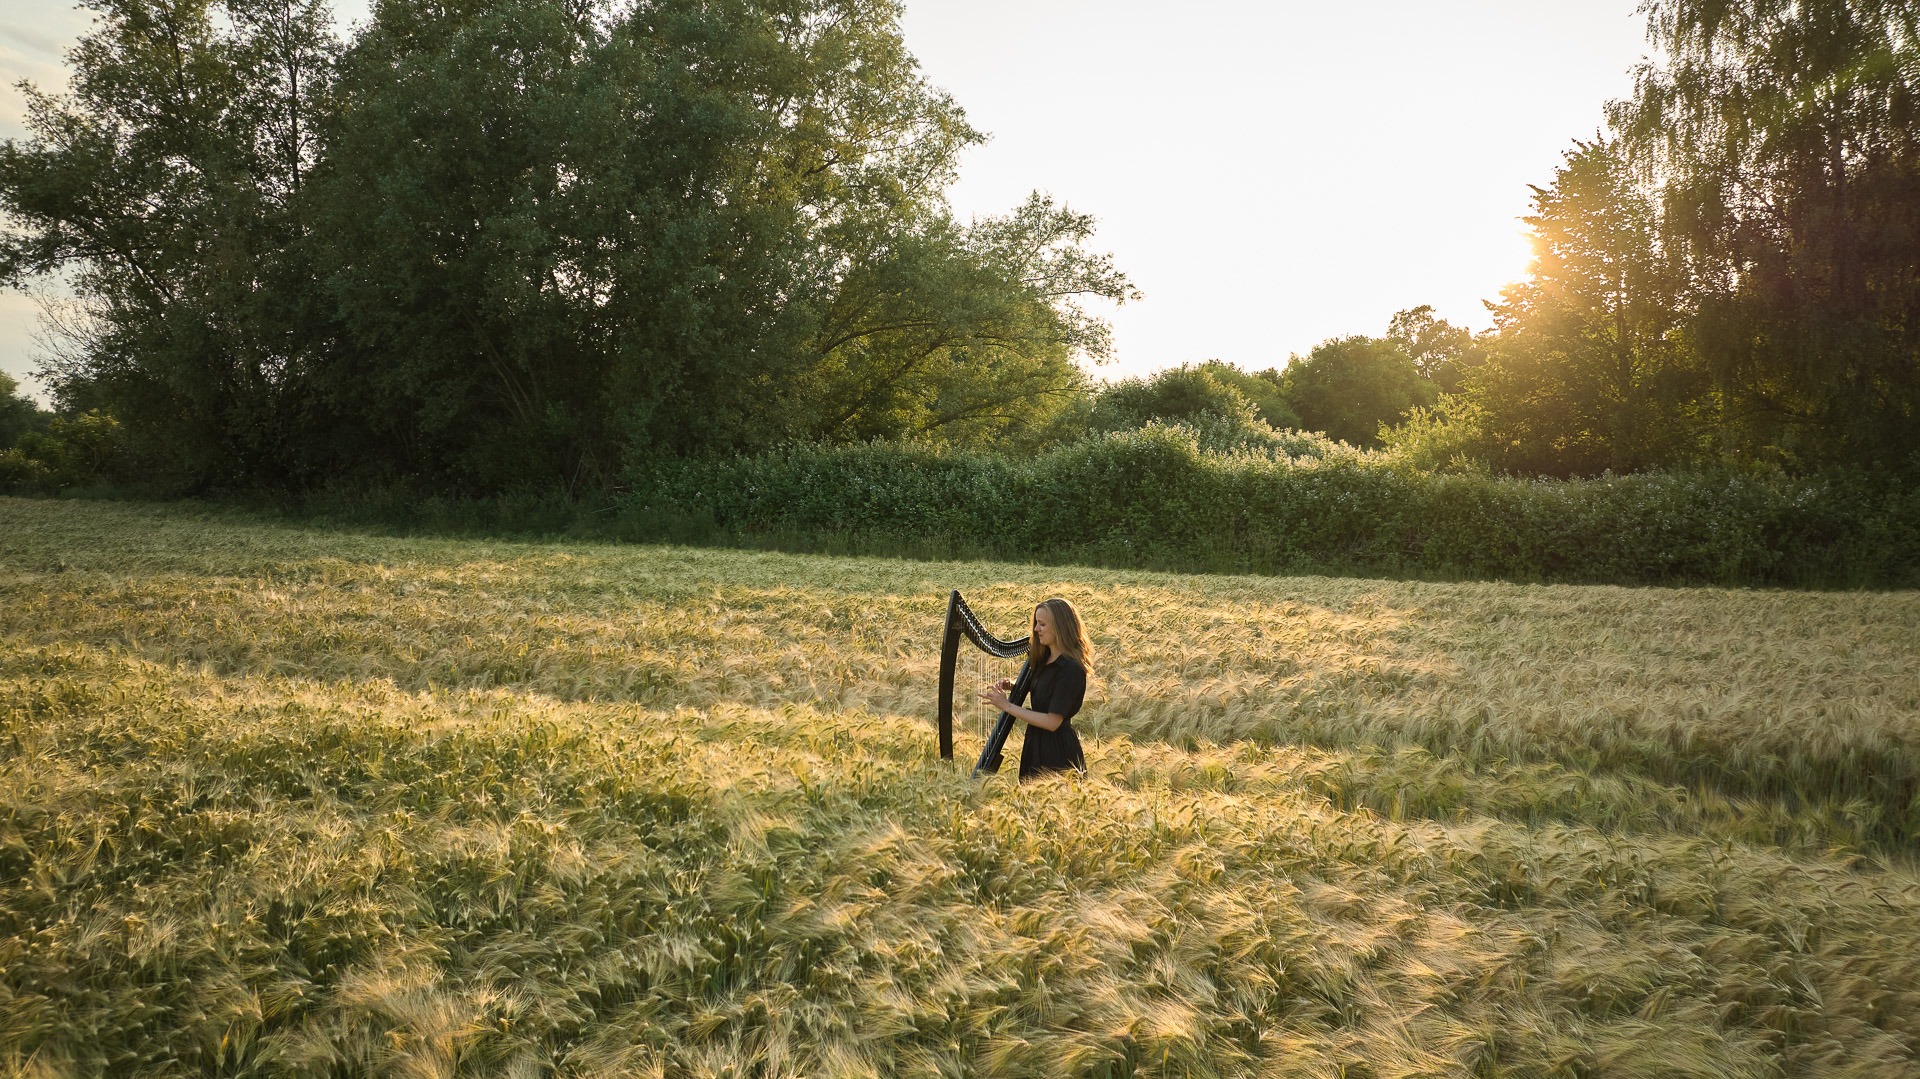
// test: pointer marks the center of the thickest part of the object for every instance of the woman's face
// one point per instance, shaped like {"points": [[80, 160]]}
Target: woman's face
{"points": [[1043, 626]]}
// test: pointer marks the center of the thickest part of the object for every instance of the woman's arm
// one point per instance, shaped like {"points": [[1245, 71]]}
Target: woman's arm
{"points": [[1046, 721]]}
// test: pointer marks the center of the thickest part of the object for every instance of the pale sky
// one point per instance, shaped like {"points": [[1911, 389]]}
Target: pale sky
{"points": [[1270, 174]]}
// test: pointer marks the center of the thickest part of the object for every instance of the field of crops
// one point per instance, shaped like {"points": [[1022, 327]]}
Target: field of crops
{"points": [[289, 801]]}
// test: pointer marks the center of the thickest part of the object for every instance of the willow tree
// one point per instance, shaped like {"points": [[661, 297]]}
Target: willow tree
{"points": [[1785, 138]]}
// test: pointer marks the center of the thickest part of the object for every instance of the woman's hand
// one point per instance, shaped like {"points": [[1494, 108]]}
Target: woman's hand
{"points": [[995, 693]]}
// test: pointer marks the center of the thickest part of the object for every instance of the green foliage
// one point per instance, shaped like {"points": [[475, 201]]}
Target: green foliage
{"points": [[1194, 399], [1260, 387], [1443, 353], [76, 451], [1153, 496], [505, 245], [1350, 387], [19, 413], [964, 336], [502, 243], [1782, 141], [602, 246], [168, 178], [1450, 437], [1730, 276], [20, 473], [1183, 394], [1589, 372]]}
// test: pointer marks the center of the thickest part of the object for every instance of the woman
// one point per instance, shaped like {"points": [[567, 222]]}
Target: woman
{"points": [[1059, 656]]}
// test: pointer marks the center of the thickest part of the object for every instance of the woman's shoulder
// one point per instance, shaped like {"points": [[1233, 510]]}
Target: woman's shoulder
{"points": [[1067, 662]]}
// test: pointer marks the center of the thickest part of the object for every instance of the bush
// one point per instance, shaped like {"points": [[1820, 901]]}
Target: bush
{"points": [[1211, 402], [76, 451], [1155, 497], [18, 414], [20, 473]]}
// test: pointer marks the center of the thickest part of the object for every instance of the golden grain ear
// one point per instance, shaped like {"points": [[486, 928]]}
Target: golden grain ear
{"points": [[1452, 828]]}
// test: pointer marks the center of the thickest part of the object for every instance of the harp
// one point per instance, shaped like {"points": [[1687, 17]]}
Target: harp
{"points": [[983, 647]]}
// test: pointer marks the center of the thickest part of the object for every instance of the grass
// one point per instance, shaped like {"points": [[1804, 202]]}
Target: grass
{"points": [[285, 801]]}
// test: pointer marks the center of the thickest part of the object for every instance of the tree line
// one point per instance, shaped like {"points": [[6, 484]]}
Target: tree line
{"points": [[495, 243], [1730, 271]]}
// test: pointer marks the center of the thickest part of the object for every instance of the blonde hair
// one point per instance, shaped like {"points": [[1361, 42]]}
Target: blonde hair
{"points": [[1069, 635]]}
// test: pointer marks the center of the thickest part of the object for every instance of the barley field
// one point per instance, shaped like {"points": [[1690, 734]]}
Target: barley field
{"points": [[283, 801]]}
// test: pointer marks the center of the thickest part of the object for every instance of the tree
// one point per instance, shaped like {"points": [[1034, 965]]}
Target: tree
{"points": [[1184, 394], [1588, 372], [967, 334], [1349, 387], [1785, 138], [18, 413], [499, 242], [1193, 396], [1442, 352], [553, 238], [168, 178], [605, 251], [1260, 387]]}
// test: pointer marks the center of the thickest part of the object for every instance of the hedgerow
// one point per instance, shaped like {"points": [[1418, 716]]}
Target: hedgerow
{"points": [[1153, 497]]}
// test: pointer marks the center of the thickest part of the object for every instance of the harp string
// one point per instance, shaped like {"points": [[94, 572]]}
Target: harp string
{"points": [[980, 709], [973, 679], [980, 668]]}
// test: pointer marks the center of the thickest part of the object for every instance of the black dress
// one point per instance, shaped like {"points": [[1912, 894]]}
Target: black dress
{"points": [[1059, 688]]}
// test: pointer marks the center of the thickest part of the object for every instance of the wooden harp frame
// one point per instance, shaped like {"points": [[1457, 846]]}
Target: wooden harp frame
{"points": [[962, 623]]}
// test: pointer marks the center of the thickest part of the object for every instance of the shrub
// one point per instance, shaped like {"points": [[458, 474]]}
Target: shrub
{"points": [[20, 473], [1157, 496], [19, 414], [74, 451]]}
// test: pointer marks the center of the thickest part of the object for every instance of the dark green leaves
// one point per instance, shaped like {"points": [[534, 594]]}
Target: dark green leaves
{"points": [[493, 243]]}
